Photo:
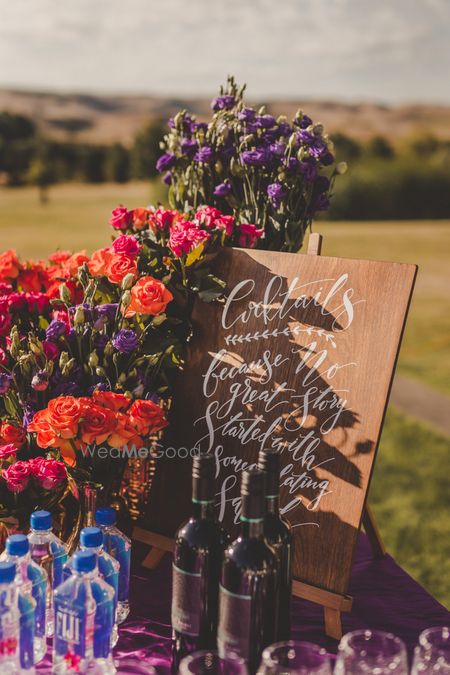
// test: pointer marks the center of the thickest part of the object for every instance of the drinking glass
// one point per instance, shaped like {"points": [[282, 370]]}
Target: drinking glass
{"points": [[209, 663], [301, 658], [432, 654], [371, 651]]}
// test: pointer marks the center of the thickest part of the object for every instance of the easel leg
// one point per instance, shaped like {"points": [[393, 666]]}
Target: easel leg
{"points": [[153, 558], [373, 533], [333, 624]]}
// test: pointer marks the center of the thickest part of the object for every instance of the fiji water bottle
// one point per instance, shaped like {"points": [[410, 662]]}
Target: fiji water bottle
{"points": [[119, 546], [50, 553], [84, 618], [31, 580], [9, 620], [91, 538]]}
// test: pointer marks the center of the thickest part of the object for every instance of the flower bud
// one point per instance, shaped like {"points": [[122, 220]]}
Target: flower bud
{"points": [[68, 367], [158, 320], [101, 372], [35, 346], [126, 299], [40, 381], [14, 348], [63, 360], [83, 274], [65, 294], [109, 349], [341, 168], [318, 129], [262, 110], [127, 281], [122, 378], [93, 359], [78, 318]]}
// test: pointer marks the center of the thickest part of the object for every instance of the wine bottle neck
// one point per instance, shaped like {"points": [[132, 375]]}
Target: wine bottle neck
{"points": [[273, 504], [203, 509], [252, 528]]}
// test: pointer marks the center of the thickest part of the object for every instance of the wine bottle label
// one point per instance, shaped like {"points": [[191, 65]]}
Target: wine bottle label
{"points": [[234, 624], [186, 602]]}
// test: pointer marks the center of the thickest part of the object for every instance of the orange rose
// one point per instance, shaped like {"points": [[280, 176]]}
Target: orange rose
{"points": [[97, 424], [98, 264], [124, 433], [59, 257], [109, 399], [148, 296], [9, 265], [30, 280], [45, 434], [119, 266], [140, 218], [147, 417], [64, 415], [74, 262], [12, 434]]}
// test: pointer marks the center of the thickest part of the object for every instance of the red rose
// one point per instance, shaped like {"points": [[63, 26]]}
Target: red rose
{"points": [[119, 266], [147, 417], [121, 218], [9, 265], [13, 434], [17, 476], [185, 237], [7, 450], [111, 400]]}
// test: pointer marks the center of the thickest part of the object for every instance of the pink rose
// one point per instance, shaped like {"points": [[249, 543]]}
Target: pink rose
{"points": [[37, 302], [51, 350], [3, 357], [207, 216], [163, 218], [225, 223], [8, 450], [249, 235], [121, 218], [5, 323], [185, 236], [50, 473], [17, 476], [126, 244]]}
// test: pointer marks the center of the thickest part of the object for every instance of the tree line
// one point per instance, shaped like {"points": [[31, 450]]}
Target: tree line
{"points": [[404, 180]]}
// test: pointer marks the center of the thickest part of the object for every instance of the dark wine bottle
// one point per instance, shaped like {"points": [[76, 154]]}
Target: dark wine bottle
{"points": [[199, 546], [249, 579], [277, 532]]}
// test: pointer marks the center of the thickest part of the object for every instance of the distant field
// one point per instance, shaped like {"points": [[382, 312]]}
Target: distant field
{"points": [[77, 217], [409, 491]]}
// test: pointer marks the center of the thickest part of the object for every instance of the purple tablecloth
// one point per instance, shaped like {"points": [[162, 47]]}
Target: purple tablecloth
{"points": [[385, 598]]}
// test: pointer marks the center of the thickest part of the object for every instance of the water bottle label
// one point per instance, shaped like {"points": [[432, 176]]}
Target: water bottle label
{"points": [[73, 632], [186, 605], [234, 624]]}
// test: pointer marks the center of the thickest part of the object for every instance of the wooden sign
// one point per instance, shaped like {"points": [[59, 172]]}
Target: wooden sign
{"points": [[300, 357]]}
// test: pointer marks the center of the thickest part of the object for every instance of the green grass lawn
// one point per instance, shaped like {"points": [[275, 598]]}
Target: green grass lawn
{"points": [[410, 497], [409, 487]]}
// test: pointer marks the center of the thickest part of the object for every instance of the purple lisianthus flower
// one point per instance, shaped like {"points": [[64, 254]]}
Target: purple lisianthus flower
{"points": [[98, 386], [28, 414], [5, 383], [199, 126], [265, 121], [309, 170], [67, 389], [107, 311], [40, 381], [125, 340], [278, 148], [100, 341], [284, 129], [304, 122], [55, 329], [327, 159], [276, 194], [256, 157], [306, 137], [204, 154], [222, 190], [322, 184], [188, 146], [292, 164], [320, 203], [224, 102], [227, 153], [165, 162], [246, 115], [318, 148], [167, 178]]}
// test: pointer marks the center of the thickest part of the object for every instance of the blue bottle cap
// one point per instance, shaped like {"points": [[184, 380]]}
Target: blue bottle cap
{"points": [[7, 572], [106, 516], [84, 561], [17, 544], [91, 537], [41, 520]]}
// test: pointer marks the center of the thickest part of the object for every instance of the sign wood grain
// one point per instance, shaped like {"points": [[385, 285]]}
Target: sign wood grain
{"points": [[299, 357]]}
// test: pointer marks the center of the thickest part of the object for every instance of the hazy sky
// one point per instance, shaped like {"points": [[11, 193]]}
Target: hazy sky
{"points": [[385, 50]]}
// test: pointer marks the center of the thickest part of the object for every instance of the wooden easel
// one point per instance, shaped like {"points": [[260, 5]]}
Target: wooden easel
{"points": [[333, 603]]}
